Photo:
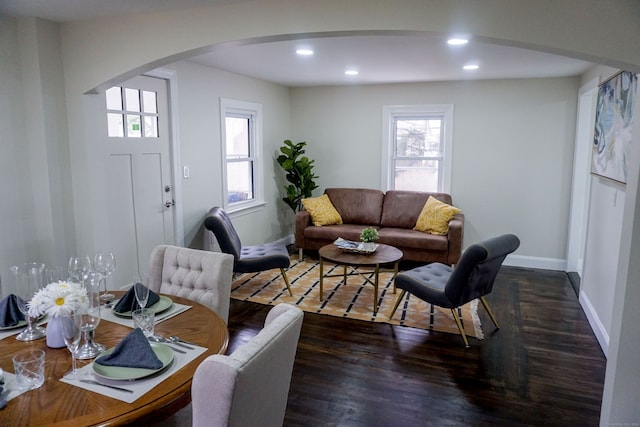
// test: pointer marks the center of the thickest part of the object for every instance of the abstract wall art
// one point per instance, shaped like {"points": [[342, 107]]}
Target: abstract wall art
{"points": [[614, 120]]}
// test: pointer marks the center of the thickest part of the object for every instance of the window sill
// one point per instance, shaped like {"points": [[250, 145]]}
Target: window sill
{"points": [[245, 209]]}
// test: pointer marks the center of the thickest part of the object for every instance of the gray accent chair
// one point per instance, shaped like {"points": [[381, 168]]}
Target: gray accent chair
{"points": [[251, 386], [471, 278], [201, 276], [246, 259]]}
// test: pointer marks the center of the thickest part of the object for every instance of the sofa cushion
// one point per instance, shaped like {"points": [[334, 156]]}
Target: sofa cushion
{"points": [[435, 217], [402, 208], [357, 205], [332, 232], [407, 238], [322, 211]]}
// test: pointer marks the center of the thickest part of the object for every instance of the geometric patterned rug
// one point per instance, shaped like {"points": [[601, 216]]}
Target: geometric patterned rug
{"points": [[354, 301]]}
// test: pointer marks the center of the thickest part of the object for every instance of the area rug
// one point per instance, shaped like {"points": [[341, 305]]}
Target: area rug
{"points": [[353, 301]]}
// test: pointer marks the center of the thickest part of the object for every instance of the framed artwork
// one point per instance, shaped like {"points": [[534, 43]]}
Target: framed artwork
{"points": [[614, 119]]}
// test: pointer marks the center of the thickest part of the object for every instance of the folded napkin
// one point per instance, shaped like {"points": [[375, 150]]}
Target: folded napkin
{"points": [[10, 313], [134, 351], [129, 303]]}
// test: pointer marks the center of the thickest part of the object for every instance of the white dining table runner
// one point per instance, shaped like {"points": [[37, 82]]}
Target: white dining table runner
{"points": [[138, 387], [174, 310]]}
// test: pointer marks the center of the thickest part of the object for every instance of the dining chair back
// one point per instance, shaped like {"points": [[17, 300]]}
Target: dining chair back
{"points": [[250, 387], [201, 276]]}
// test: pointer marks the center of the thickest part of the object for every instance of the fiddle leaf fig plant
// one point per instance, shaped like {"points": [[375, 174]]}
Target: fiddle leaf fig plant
{"points": [[299, 173]]}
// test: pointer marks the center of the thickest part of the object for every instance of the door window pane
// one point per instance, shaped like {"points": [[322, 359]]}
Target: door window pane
{"points": [[150, 127], [114, 98], [115, 125], [132, 99], [133, 126], [149, 102]]}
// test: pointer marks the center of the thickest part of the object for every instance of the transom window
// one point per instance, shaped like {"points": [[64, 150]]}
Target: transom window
{"points": [[242, 142], [417, 140], [132, 113]]}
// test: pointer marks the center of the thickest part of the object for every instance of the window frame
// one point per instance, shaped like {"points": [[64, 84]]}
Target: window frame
{"points": [[252, 111], [390, 113]]}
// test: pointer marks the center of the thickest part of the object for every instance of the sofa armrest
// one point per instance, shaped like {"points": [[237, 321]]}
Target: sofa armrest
{"points": [[455, 236], [303, 220]]}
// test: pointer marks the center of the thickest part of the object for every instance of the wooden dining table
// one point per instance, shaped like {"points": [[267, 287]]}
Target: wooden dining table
{"points": [[61, 404]]}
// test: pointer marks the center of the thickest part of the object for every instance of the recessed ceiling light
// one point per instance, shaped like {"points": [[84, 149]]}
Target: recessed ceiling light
{"points": [[471, 67], [351, 72], [457, 41], [304, 52]]}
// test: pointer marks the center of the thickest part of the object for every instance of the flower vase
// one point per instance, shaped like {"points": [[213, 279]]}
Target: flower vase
{"points": [[54, 333]]}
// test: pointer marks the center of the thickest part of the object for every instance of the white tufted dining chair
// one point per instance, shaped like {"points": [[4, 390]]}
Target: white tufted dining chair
{"points": [[201, 276]]}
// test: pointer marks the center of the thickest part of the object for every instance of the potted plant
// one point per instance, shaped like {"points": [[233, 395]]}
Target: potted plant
{"points": [[369, 237], [299, 172]]}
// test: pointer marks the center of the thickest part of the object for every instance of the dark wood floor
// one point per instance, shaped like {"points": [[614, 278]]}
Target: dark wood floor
{"points": [[542, 367]]}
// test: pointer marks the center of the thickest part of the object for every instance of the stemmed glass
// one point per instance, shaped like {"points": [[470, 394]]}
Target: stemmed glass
{"points": [[104, 263], [141, 291], [90, 318], [80, 267], [71, 332], [28, 280]]}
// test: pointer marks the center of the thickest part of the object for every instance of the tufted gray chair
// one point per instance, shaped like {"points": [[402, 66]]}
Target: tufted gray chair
{"points": [[246, 259], [471, 278], [201, 276]]}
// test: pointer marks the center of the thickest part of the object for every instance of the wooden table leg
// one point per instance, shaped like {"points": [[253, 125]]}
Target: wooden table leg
{"points": [[344, 282]]}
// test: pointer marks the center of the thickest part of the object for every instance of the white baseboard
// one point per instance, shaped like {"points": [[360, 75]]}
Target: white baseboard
{"points": [[596, 325], [536, 262]]}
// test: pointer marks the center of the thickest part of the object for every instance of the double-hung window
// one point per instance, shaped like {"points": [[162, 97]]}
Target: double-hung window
{"points": [[417, 141], [241, 124]]}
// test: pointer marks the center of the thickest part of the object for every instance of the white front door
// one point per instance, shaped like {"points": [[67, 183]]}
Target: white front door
{"points": [[138, 172]]}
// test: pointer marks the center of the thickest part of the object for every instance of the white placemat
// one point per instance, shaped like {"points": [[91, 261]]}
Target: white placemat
{"points": [[107, 314], [10, 388], [138, 387]]}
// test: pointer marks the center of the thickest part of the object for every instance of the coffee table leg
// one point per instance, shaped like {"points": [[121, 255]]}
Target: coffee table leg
{"points": [[375, 290], [395, 273], [344, 274], [321, 276]]}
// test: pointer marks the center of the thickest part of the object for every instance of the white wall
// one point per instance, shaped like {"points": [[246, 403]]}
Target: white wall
{"points": [[512, 151], [199, 93], [16, 193], [34, 166]]}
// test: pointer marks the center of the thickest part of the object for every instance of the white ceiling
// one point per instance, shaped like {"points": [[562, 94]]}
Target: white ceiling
{"points": [[378, 58]]}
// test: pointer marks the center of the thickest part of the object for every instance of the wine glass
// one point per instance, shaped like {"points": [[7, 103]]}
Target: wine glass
{"points": [[71, 332], [104, 263], [90, 319], [28, 280], [80, 267], [141, 291]]}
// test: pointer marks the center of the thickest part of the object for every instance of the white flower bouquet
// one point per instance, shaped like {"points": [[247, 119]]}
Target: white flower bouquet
{"points": [[58, 298]]}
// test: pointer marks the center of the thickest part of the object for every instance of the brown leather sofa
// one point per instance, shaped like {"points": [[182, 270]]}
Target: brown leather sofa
{"points": [[393, 214]]}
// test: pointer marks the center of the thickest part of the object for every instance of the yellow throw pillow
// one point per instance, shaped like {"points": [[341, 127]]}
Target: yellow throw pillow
{"points": [[322, 211], [435, 217]]}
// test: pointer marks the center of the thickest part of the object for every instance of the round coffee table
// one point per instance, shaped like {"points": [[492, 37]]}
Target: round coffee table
{"points": [[385, 254]]}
